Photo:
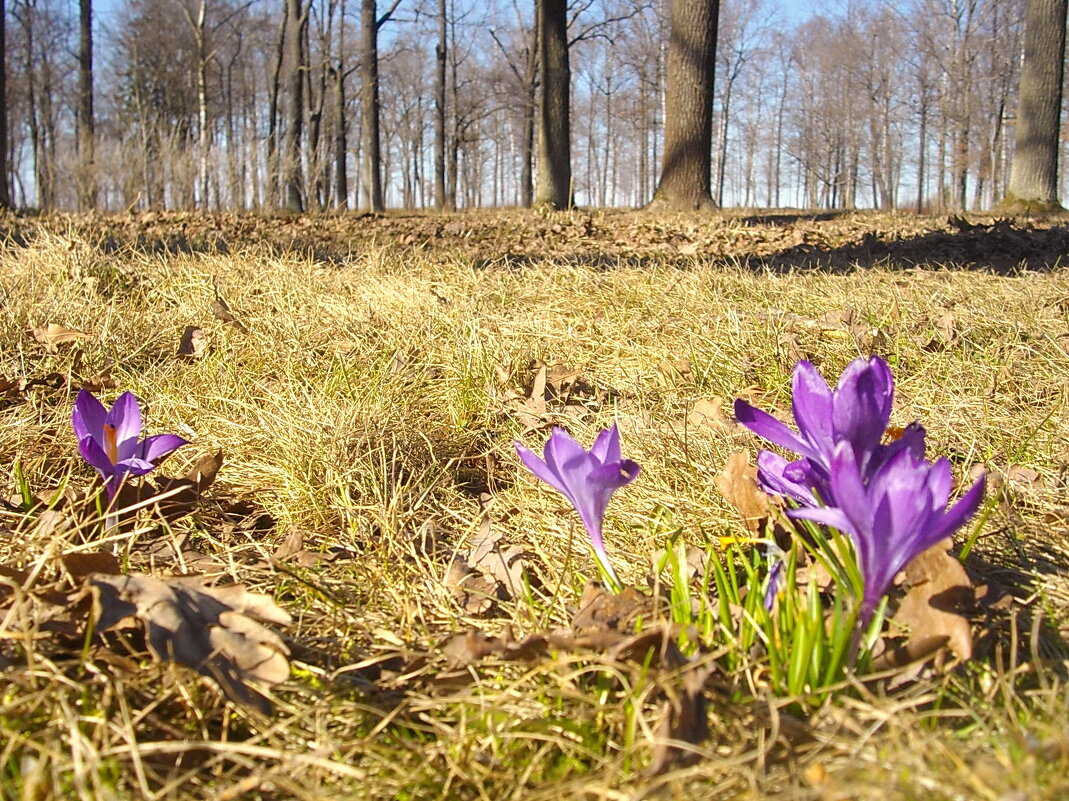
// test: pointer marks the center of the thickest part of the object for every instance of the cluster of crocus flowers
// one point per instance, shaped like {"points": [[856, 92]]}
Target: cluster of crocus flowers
{"points": [[886, 496], [586, 478], [110, 439]]}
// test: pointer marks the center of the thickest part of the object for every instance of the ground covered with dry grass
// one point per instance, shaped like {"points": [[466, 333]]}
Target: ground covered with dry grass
{"points": [[364, 379]]}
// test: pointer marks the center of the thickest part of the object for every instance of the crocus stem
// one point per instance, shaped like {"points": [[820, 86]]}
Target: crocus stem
{"points": [[609, 576]]}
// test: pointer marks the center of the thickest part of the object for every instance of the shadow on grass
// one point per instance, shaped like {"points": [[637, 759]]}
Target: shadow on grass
{"points": [[834, 241], [1004, 248]]}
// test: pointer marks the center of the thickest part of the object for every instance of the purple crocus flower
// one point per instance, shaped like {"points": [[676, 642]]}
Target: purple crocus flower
{"points": [[776, 577], [857, 412], [900, 511], [586, 479], [108, 439]]}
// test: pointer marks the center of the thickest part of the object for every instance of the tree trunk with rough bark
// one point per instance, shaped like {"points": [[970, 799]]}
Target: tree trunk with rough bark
{"points": [[87, 191], [688, 135], [5, 194], [1034, 173], [441, 202], [369, 93], [554, 135], [293, 180]]}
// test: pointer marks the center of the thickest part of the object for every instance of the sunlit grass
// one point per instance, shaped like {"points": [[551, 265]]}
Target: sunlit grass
{"points": [[366, 408]]}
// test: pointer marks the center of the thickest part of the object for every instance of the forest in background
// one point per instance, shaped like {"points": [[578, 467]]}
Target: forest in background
{"points": [[199, 104]]}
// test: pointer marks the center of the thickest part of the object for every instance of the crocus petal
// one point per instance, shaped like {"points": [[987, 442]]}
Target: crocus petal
{"points": [[765, 425], [774, 476], [615, 475], [88, 416], [940, 482], [825, 515], [157, 448], [95, 456], [849, 489], [811, 403], [959, 513], [540, 469], [775, 581], [568, 461], [606, 447], [862, 407], [134, 466], [125, 418]]}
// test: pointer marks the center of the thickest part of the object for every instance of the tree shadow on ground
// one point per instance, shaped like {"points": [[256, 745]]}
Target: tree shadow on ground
{"points": [[1005, 247]]}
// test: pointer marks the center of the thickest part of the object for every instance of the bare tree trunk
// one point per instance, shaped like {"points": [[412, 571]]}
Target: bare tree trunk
{"points": [[320, 165], [554, 134], [527, 144], [87, 191], [5, 192], [685, 178], [1034, 174], [369, 90], [200, 37], [722, 160], [274, 169], [440, 51], [291, 168], [341, 147]]}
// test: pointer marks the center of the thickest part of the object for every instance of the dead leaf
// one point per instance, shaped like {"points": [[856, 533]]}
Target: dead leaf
{"points": [[916, 650], [344, 347], [81, 564], [600, 609], [939, 594], [709, 413], [655, 647], [945, 331], [485, 572], [532, 409], [680, 370], [685, 722], [53, 334], [214, 630], [221, 311], [194, 343], [737, 482], [182, 494], [473, 645], [791, 347]]}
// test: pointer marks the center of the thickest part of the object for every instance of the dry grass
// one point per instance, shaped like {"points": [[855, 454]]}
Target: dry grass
{"points": [[366, 408]]}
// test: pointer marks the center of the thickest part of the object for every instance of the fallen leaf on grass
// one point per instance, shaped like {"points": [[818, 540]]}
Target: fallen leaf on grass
{"points": [[53, 334], [532, 409], [183, 493], [484, 572], [82, 564], [685, 722], [194, 343], [221, 311], [680, 370], [473, 645], [709, 413], [940, 593], [553, 389], [601, 609], [790, 346], [944, 333], [737, 482], [214, 630]]}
